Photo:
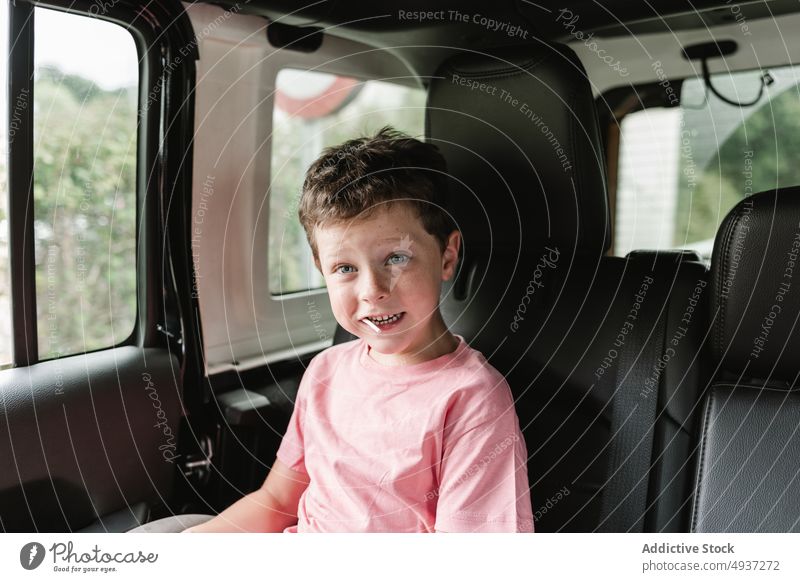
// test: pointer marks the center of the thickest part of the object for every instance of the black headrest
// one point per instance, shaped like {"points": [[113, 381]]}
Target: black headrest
{"points": [[519, 130], [755, 277]]}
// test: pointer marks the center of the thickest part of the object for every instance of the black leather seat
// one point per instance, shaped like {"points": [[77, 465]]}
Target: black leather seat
{"points": [[536, 292], [748, 477]]}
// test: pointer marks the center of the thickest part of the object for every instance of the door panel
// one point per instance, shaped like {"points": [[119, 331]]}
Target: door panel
{"points": [[85, 436]]}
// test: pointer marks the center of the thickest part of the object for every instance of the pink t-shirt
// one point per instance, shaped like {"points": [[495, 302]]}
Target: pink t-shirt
{"points": [[428, 447]]}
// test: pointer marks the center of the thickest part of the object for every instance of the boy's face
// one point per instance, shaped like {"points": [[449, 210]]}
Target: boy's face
{"points": [[389, 269]]}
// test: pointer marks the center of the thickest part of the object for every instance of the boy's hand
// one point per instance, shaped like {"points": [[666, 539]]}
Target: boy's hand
{"points": [[271, 508]]}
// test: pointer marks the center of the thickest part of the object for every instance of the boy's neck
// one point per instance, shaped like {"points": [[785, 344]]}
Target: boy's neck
{"points": [[439, 343]]}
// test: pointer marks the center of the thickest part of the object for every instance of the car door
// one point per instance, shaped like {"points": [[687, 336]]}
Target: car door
{"points": [[100, 342]]}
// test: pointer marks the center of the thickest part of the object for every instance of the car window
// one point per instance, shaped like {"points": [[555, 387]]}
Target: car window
{"points": [[314, 110], [85, 124], [683, 168]]}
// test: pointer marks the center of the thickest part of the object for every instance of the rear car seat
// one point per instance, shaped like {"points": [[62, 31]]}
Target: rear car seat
{"points": [[748, 477], [537, 295]]}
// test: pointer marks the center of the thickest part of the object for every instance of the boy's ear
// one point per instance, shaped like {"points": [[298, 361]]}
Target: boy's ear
{"points": [[450, 255]]}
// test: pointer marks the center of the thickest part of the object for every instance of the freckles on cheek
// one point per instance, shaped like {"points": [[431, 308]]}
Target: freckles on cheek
{"points": [[338, 299]]}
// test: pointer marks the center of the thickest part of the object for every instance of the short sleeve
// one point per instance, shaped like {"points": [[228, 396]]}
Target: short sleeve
{"points": [[291, 452], [483, 483]]}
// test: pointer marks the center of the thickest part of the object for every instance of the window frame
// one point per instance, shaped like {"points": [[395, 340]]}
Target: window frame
{"points": [[156, 302], [22, 266]]}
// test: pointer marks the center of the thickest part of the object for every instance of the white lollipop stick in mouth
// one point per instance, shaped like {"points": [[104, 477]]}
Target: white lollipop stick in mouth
{"points": [[374, 327]]}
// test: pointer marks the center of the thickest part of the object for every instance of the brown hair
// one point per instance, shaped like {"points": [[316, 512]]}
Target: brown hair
{"points": [[352, 179]]}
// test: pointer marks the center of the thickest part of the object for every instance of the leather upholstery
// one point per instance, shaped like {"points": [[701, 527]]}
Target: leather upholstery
{"points": [[747, 477], [756, 285], [568, 329], [123, 456], [749, 461], [519, 131], [543, 304]]}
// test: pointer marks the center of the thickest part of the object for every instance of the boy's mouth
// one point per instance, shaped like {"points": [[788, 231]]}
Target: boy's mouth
{"points": [[383, 322]]}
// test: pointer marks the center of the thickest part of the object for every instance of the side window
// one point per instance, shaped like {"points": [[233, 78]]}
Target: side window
{"points": [[312, 111], [682, 169], [85, 128]]}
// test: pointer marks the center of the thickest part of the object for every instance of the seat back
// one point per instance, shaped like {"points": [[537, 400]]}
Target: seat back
{"points": [[536, 293], [519, 131], [749, 459]]}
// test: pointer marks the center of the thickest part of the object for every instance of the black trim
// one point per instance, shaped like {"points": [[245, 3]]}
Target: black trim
{"points": [[177, 159], [20, 184], [294, 38], [148, 179]]}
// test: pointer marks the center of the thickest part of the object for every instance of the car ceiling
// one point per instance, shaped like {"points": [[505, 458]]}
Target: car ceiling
{"points": [[423, 45], [364, 20]]}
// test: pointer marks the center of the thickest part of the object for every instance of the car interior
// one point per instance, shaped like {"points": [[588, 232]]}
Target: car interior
{"points": [[623, 176]]}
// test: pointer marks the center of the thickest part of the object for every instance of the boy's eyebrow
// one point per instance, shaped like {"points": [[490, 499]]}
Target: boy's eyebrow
{"points": [[337, 255], [393, 239], [344, 248]]}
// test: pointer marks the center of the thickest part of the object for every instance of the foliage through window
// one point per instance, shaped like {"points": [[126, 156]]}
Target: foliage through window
{"points": [[85, 124], [312, 111], [682, 169]]}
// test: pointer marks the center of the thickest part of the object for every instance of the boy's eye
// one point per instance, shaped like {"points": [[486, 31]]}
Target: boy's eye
{"points": [[395, 260], [345, 269]]}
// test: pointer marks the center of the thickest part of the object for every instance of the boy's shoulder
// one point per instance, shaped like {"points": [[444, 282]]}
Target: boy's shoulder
{"points": [[479, 392], [478, 374], [473, 362]]}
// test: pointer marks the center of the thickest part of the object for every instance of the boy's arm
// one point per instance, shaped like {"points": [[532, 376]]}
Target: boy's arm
{"points": [[271, 508], [483, 479]]}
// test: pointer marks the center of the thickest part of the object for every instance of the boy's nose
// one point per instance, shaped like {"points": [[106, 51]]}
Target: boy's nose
{"points": [[374, 287]]}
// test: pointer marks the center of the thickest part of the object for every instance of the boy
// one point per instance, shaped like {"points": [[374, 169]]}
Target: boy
{"points": [[407, 429]]}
